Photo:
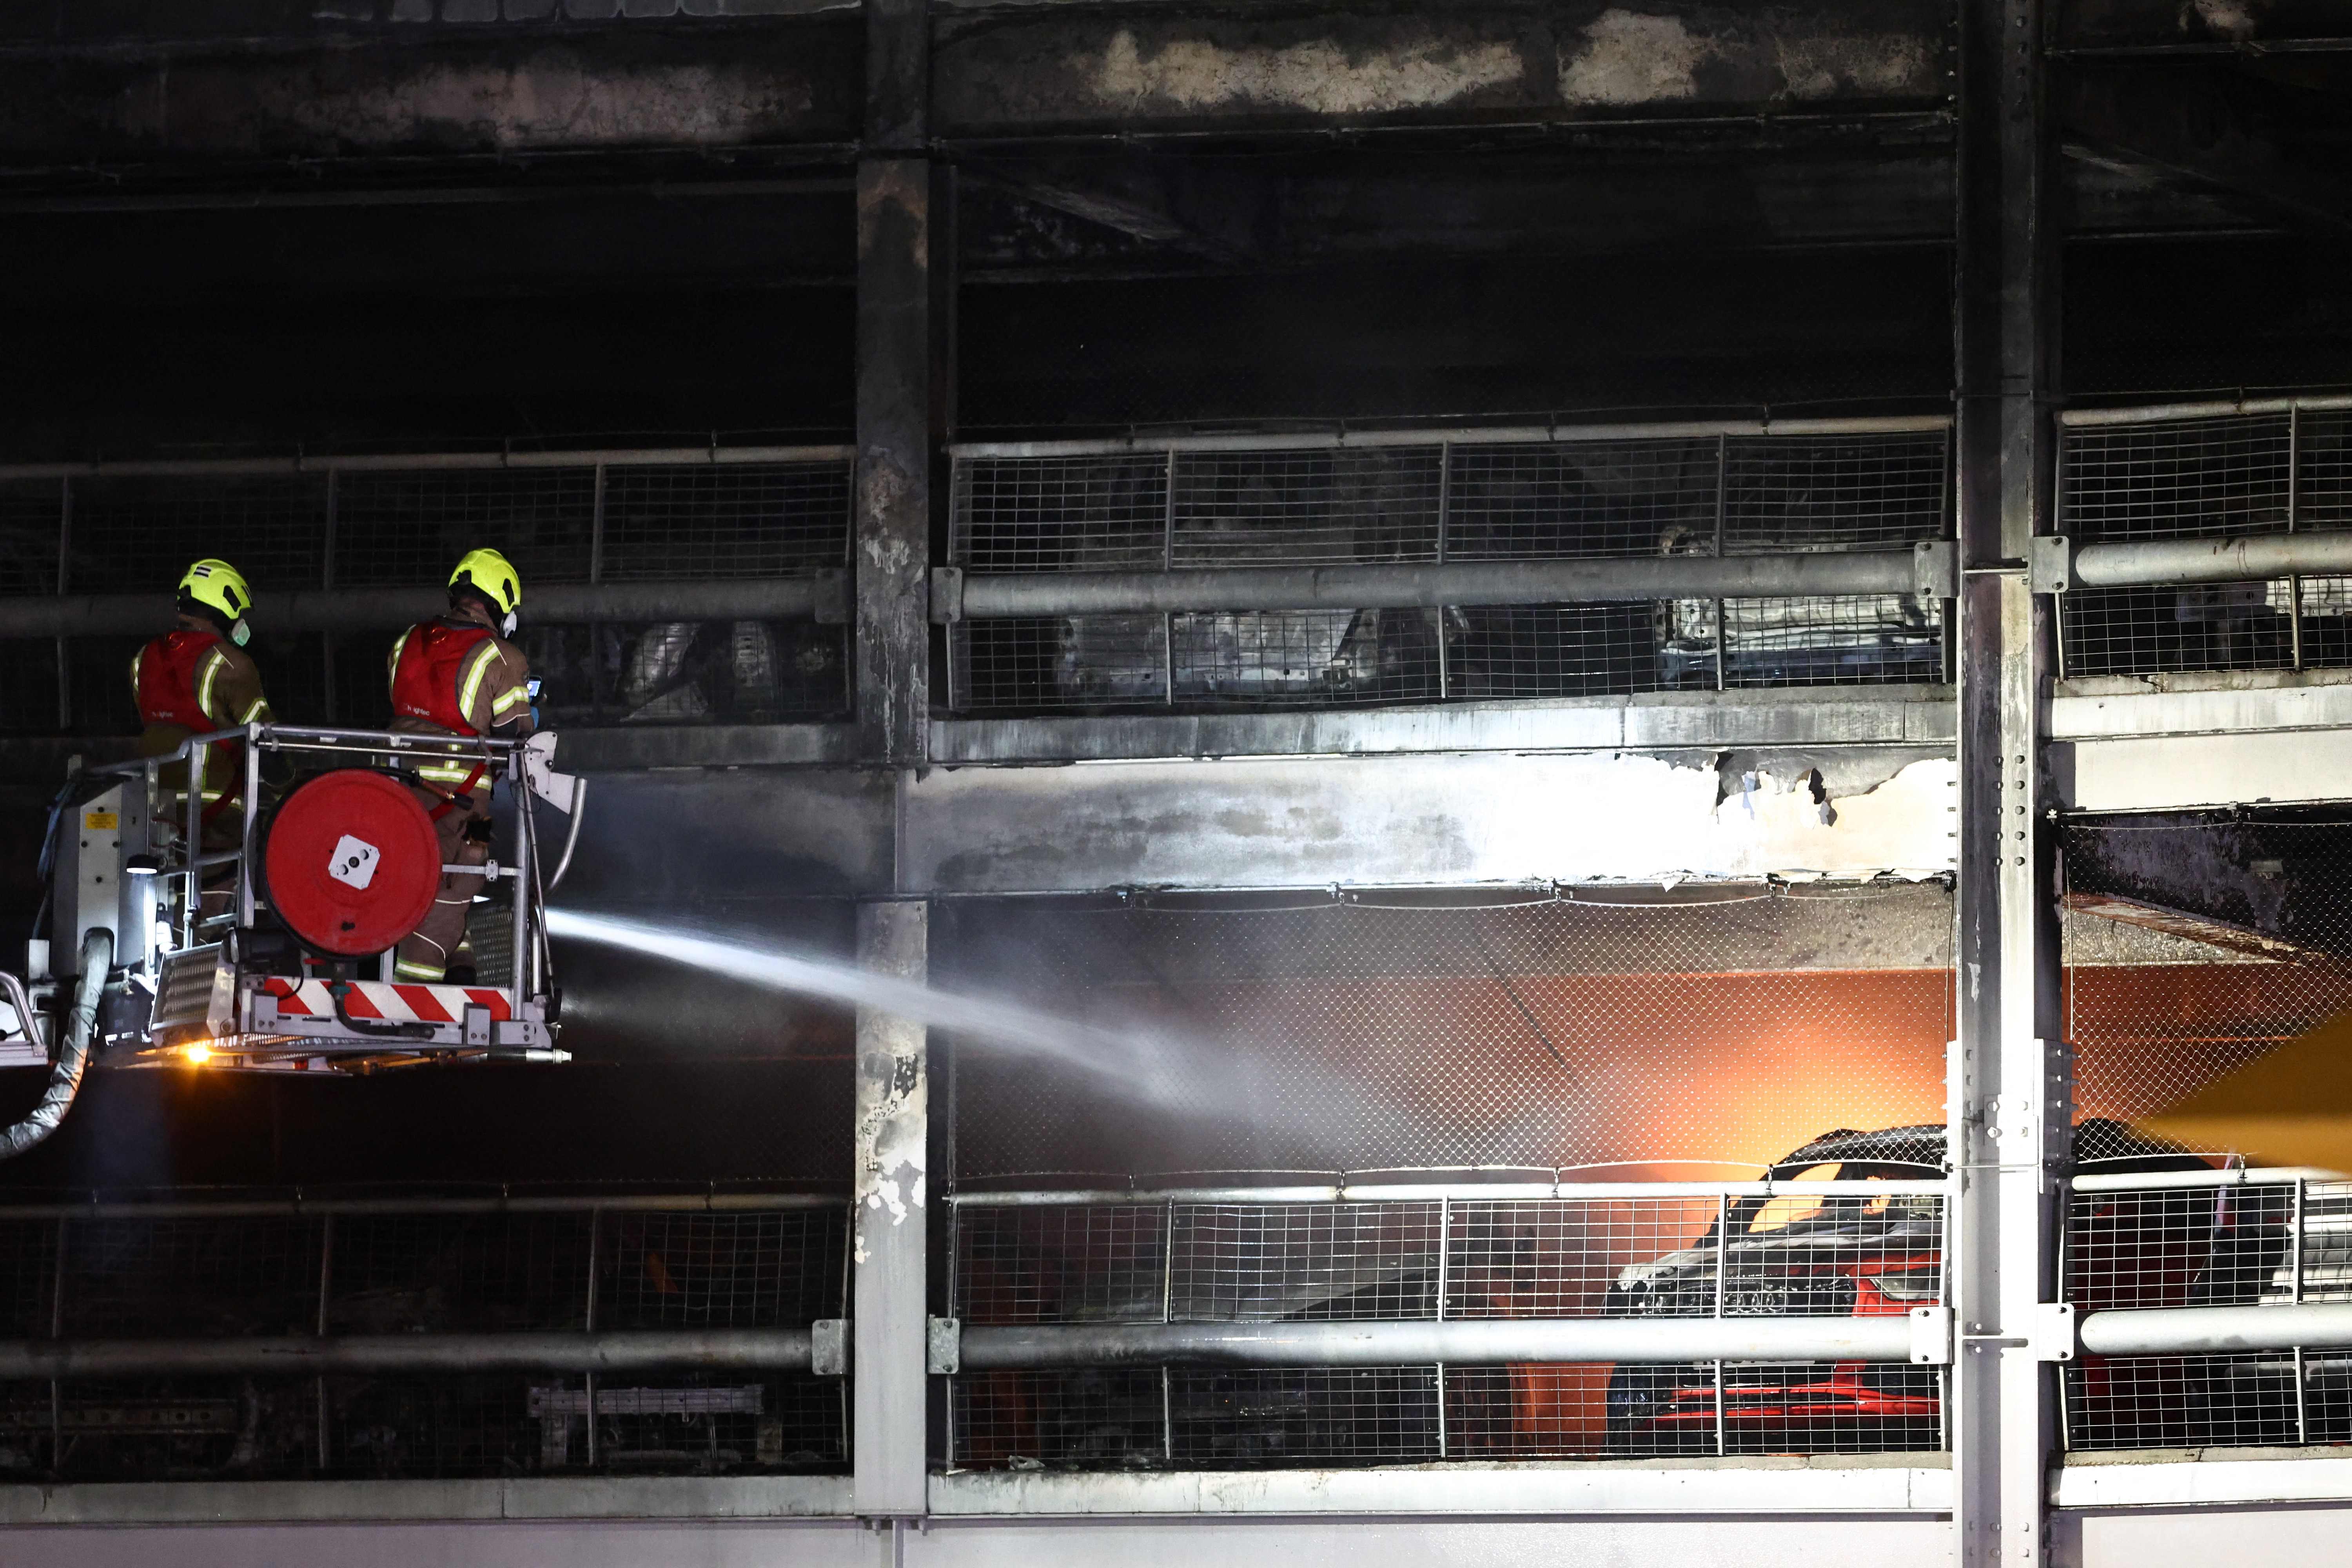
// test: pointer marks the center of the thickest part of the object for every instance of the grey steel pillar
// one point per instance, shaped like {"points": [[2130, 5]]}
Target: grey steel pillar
{"points": [[901, 386], [901, 392], [2011, 1097], [891, 1301]]}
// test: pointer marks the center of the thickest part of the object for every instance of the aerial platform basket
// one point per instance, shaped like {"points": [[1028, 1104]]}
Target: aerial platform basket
{"points": [[263, 939]]}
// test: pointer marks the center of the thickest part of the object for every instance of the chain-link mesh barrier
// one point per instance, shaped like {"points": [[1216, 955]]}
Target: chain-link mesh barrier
{"points": [[2234, 475], [196, 1276], [1176, 508], [2197, 942], [1323, 1032], [405, 527]]}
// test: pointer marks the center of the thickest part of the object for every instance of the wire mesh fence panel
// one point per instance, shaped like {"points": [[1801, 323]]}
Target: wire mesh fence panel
{"points": [[32, 512], [1560, 1258], [2188, 1401], [1468, 501], [412, 526], [1082, 661], [748, 520], [1304, 1262], [1299, 508], [1579, 650], [1298, 1033], [2194, 1247], [1325, 657], [719, 1271], [1835, 492], [138, 533], [28, 685], [1100, 1263], [2209, 626], [1093, 514], [2197, 943], [1838, 640], [1521, 501], [1246, 1418], [1529, 1411], [687, 1423], [191, 1277], [2176, 478], [2323, 468], [169, 1429], [453, 1273], [1088, 1419]]}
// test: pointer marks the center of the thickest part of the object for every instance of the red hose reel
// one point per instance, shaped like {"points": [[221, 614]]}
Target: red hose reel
{"points": [[350, 862]]}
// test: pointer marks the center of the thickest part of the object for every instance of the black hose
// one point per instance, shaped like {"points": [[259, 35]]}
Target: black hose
{"points": [[383, 1028], [65, 1078]]}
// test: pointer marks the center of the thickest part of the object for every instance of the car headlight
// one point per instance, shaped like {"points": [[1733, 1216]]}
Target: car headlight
{"points": [[1920, 1287]]}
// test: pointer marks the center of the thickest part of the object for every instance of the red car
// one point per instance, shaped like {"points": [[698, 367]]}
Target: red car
{"points": [[1844, 1256]]}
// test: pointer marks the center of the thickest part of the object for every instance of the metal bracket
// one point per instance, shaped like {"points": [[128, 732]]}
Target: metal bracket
{"points": [[2053, 1331], [1936, 564], [832, 596], [478, 1026], [2050, 564], [947, 596], [829, 1347], [1931, 1336], [944, 1347]]}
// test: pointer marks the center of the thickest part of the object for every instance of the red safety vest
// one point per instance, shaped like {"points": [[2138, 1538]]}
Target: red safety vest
{"points": [[167, 680], [424, 681], [168, 668]]}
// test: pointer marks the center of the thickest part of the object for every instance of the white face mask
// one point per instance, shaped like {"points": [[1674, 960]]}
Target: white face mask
{"points": [[507, 625], [240, 634]]}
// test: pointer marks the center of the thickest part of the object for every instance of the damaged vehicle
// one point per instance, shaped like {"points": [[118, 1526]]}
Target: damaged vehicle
{"points": [[1857, 1256]]}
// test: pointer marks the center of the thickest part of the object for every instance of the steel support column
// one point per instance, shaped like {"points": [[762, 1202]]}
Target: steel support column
{"points": [[2009, 1098], [891, 1300], [900, 387]]}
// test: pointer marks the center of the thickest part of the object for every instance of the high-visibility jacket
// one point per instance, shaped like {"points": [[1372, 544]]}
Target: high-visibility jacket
{"points": [[175, 676], [189, 681], [457, 677]]}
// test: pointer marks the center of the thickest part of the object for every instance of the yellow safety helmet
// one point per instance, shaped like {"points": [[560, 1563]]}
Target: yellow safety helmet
{"points": [[492, 575], [217, 585]]}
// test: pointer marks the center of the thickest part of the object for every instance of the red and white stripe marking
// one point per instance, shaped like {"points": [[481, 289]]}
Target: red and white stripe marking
{"points": [[392, 1002]]}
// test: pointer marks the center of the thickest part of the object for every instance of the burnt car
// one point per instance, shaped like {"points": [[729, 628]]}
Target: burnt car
{"points": [[1834, 1256]]}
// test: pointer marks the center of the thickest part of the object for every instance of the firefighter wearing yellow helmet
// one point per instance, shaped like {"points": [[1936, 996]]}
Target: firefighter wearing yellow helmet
{"points": [[458, 675], [197, 678]]}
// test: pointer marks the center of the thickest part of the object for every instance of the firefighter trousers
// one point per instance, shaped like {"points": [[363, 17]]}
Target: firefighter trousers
{"points": [[464, 833]]}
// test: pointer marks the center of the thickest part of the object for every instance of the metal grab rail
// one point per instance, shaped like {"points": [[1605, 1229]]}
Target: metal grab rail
{"points": [[1922, 1336], [1925, 569], [822, 596], [1425, 1192], [640, 1350]]}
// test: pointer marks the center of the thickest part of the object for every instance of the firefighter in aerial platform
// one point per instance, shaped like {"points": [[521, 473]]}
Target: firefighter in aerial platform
{"points": [[197, 678], [458, 675]]}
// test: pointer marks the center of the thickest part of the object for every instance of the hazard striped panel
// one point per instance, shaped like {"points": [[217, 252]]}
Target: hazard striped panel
{"points": [[397, 1003]]}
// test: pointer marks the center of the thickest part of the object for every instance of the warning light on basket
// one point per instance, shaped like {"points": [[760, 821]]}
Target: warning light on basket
{"points": [[199, 1054]]}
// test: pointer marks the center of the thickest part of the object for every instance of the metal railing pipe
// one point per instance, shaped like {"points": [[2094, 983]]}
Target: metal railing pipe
{"points": [[260, 1208], [1464, 1340], [427, 462], [1464, 434], [714, 1350], [1427, 1191], [2159, 562], [1429, 584], [2175, 1331], [823, 595]]}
